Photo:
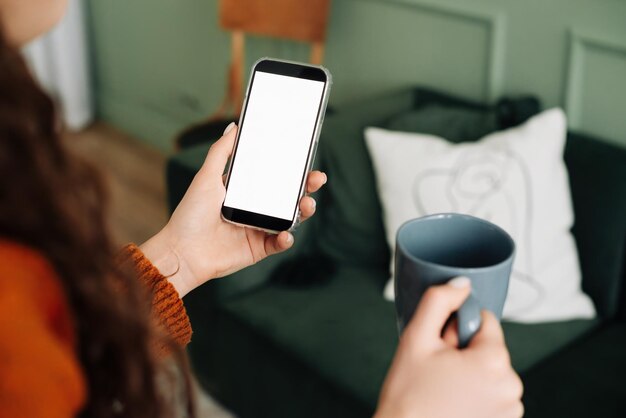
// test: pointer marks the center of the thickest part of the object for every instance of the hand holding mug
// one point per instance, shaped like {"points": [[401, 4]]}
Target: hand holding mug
{"points": [[431, 377]]}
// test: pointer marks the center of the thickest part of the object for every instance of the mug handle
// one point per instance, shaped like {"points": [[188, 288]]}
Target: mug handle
{"points": [[469, 320]]}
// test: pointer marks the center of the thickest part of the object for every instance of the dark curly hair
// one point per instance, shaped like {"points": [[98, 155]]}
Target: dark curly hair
{"points": [[54, 202]]}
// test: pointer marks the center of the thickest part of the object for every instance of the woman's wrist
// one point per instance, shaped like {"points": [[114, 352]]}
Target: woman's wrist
{"points": [[161, 252]]}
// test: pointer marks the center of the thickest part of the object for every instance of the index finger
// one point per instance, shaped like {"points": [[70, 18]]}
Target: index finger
{"points": [[436, 306], [219, 153]]}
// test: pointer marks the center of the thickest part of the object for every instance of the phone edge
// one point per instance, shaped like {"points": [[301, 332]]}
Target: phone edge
{"points": [[317, 132]]}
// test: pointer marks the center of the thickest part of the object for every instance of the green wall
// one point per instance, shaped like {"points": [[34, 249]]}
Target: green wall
{"points": [[160, 64]]}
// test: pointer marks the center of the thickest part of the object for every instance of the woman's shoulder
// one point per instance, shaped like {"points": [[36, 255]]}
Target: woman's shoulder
{"points": [[37, 337], [20, 261], [26, 273], [19, 257]]}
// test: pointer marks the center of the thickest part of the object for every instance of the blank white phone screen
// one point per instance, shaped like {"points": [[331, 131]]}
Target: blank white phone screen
{"points": [[274, 144]]}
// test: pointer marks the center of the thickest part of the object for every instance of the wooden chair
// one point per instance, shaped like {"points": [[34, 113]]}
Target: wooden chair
{"points": [[297, 20]]}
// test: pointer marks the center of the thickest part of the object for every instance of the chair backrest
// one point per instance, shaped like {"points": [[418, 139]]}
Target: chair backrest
{"points": [[298, 20], [286, 19]]}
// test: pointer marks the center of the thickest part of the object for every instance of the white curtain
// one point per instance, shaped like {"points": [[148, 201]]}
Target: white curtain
{"points": [[60, 61]]}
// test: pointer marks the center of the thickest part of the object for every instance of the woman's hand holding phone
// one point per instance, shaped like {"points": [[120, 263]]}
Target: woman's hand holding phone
{"points": [[197, 245], [431, 377]]}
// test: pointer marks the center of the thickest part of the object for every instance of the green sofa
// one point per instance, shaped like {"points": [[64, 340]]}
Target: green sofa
{"points": [[308, 333]]}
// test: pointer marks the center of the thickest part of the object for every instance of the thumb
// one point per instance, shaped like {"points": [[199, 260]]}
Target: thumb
{"points": [[436, 306], [490, 331], [219, 153]]}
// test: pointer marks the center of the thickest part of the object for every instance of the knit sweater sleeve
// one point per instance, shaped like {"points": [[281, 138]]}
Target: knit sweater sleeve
{"points": [[167, 306]]}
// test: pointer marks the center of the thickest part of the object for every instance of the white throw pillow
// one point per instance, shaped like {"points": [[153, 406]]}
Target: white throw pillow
{"points": [[516, 179]]}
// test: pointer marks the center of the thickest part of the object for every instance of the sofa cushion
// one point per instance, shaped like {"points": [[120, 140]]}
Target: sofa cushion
{"points": [[597, 173], [586, 380], [342, 330], [344, 334], [530, 344], [350, 215], [452, 123], [515, 178], [352, 231], [351, 219]]}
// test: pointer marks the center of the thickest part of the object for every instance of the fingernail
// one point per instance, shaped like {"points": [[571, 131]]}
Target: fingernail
{"points": [[460, 282], [229, 127], [325, 178], [313, 203], [289, 238]]}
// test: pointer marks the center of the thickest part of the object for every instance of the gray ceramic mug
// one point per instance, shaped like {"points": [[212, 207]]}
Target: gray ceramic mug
{"points": [[436, 248]]}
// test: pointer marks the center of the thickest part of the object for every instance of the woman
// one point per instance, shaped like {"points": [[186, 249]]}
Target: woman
{"points": [[81, 335]]}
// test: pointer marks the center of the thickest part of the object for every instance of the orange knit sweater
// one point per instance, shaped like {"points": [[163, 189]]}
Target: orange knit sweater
{"points": [[40, 374]]}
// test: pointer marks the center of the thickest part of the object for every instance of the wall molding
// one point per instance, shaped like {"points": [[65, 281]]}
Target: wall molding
{"points": [[495, 23], [580, 42]]}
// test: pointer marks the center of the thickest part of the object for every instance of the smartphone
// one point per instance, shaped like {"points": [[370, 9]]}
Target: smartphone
{"points": [[278, 133]]}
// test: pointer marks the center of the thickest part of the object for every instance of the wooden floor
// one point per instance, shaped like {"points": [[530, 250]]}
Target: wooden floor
{"points": [[135, 174]]}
